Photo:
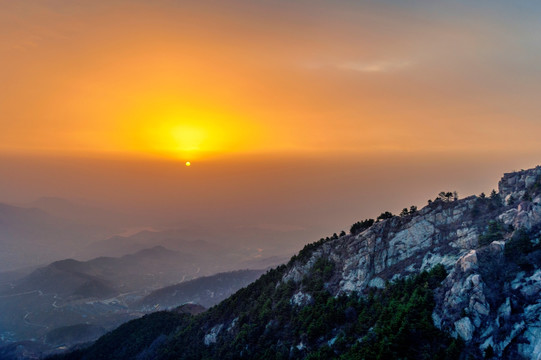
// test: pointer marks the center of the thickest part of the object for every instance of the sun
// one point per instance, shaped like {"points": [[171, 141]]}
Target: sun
{"points": [[188, 163], [187, 132], [189, 138]]}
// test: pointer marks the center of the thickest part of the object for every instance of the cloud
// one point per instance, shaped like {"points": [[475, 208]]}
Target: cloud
{"points": [[374, 67], [363, 67]]}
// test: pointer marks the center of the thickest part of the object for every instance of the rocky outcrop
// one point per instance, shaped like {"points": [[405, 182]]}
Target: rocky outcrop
{"points": [[397, 247], [212, 335], [515, 184], [477, 302], [301, 299]]}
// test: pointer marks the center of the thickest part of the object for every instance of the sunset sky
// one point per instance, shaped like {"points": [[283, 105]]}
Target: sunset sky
{"points": [[185, 78], [266, 99]]}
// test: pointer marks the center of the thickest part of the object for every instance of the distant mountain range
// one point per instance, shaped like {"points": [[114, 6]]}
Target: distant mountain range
{"points": [[212, 257], [107, 276], [52, 228], [70, 301]]}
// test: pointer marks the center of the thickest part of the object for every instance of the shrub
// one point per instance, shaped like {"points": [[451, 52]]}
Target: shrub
{"points": [[361, 226], [494, 232], [385, 215], [520, 244]]}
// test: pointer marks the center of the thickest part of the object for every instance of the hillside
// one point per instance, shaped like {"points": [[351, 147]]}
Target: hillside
{"points": [[71, 293], [68, 301], [206, 291], [148, 267], [458, 278]]}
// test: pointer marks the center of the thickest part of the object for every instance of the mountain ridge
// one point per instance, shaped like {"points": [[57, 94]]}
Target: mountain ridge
{"points": [[197, 290]]}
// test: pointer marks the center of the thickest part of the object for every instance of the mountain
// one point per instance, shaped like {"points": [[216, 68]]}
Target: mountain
{"points": [[96, 292], [212, 256], [227, 243], [63, 278], [206, 291], [68, 301], [456, 279], [119, 245], [144, 269]]}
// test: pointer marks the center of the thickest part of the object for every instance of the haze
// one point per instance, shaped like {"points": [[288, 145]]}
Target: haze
{"points": [[298, 118]]}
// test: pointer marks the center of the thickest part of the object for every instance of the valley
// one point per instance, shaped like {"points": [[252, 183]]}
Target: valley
{"points": [[69, 302]]}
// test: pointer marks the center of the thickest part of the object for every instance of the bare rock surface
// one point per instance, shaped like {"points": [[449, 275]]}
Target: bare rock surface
{"points": [[487, 298]]}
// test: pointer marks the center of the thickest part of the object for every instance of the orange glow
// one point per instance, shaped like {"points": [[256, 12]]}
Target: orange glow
{"points": [[192, 81], [286, 115], [174, 131]]}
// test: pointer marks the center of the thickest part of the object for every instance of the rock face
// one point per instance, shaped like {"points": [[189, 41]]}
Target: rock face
{"points": [[397, 247], [515, 184], [211, 337], [439, 233], [489, 297]]}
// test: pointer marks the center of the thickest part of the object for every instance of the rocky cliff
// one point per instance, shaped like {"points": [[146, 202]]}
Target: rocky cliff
{"points": [[491, 297]]}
